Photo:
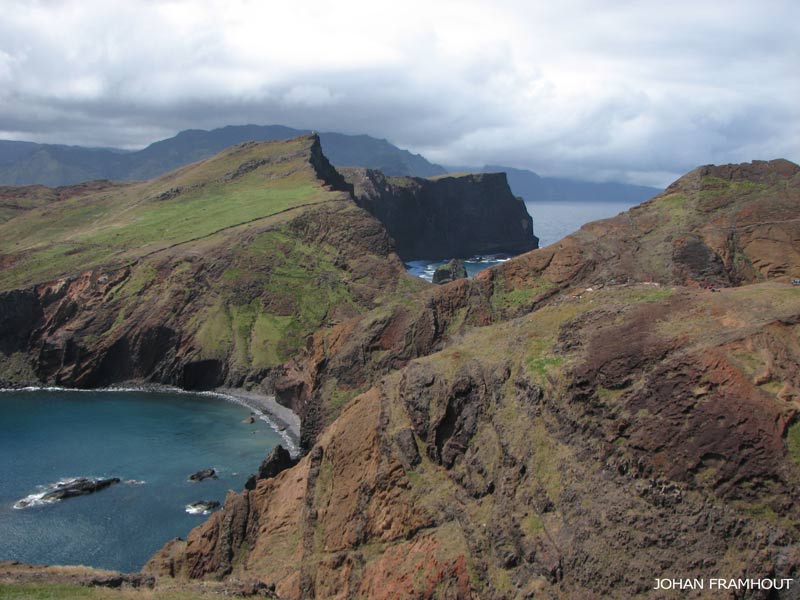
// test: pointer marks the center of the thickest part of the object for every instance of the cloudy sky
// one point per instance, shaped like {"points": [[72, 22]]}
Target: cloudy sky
{"points": [[630, 90]]}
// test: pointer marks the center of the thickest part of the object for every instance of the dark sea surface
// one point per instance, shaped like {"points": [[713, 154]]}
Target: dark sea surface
{"points": [[551, 222], [151, 440]]}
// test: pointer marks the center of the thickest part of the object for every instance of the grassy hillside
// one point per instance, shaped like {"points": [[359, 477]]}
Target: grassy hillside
{"points": [[214, 273], [121, 223]]}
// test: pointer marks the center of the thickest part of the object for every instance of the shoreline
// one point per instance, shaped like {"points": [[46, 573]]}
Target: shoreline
{"points": [[282, 419]]}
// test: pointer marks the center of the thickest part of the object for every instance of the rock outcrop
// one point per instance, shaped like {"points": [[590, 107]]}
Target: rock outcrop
{"points": [[702, 232], [202, 507], [276, 461], [203, 474], [571, 423], [448, 216], [80, 486], [450, 271]]}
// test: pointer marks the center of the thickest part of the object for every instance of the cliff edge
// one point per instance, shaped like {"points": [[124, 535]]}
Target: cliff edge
{"points": [[453, 216]]}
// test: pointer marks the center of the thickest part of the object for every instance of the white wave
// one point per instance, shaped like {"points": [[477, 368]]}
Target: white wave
{"points": [[194, 509], [135, 482], [55, 388], [38, 498], [33, 500], [490, 258]]}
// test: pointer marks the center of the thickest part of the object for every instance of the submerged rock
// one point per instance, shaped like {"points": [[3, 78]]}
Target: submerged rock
{"points": [[203, 474], [450, 271]]}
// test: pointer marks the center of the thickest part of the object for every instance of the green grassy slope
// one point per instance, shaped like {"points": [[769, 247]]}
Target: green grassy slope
{"points": [[121, 224]]}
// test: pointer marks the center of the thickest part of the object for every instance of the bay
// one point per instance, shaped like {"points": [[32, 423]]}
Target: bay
{"points": [[152, 441]]}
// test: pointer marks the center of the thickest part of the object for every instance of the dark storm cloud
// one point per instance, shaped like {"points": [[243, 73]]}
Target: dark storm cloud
{"points": [[605, 90]]}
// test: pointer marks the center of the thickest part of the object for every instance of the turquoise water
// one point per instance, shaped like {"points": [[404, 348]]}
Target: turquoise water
{"points": [[551, 222], [151, 438]]}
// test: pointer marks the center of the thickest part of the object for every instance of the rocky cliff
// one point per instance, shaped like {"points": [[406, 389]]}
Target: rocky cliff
{"points": [[445, 217], [619, 406]]}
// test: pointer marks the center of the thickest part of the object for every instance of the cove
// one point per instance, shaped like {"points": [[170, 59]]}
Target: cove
{"points": [[152, 441]]}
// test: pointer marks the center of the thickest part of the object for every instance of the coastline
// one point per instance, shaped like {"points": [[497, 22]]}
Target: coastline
{"points": [[284, 420]]}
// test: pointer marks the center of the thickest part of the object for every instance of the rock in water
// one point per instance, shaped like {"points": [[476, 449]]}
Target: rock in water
{"points": [[203, 474], [67, 489], [80, 487], [450, 271]]}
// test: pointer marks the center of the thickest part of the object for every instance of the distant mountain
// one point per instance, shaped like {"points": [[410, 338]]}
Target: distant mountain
{"points": [[24, 163], [534, 188]]}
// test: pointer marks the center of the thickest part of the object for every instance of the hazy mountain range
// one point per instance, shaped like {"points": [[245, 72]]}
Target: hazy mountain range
{"points": [[25, 163]]}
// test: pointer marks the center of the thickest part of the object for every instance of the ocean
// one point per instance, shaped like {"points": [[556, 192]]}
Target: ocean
{"points": [[152, 441], [551, 222]]}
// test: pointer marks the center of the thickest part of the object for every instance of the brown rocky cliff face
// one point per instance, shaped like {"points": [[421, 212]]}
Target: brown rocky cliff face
{"points": [[704, 231], [638, 444], [563, 429]]}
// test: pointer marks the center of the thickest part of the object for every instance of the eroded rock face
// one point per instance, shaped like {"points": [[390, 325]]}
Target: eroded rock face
{"points": [[631, 439], [705, 231]]}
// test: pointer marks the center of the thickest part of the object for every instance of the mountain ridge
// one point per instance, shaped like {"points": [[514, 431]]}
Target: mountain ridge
{"points": [[537, 188], [28, 163]]}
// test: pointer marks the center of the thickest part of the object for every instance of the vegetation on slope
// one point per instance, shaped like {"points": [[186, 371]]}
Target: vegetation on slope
{"points": [[119, 224], [555, 426], [213, 274]]}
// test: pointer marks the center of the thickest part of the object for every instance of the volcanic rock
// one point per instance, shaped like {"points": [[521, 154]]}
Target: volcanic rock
{"points": [[565, 424], [446, 216], [202, 506], [203, 474], [450, 271]]}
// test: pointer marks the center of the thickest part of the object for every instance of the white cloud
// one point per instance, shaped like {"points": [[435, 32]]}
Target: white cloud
{"points": [[602, 89]]}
